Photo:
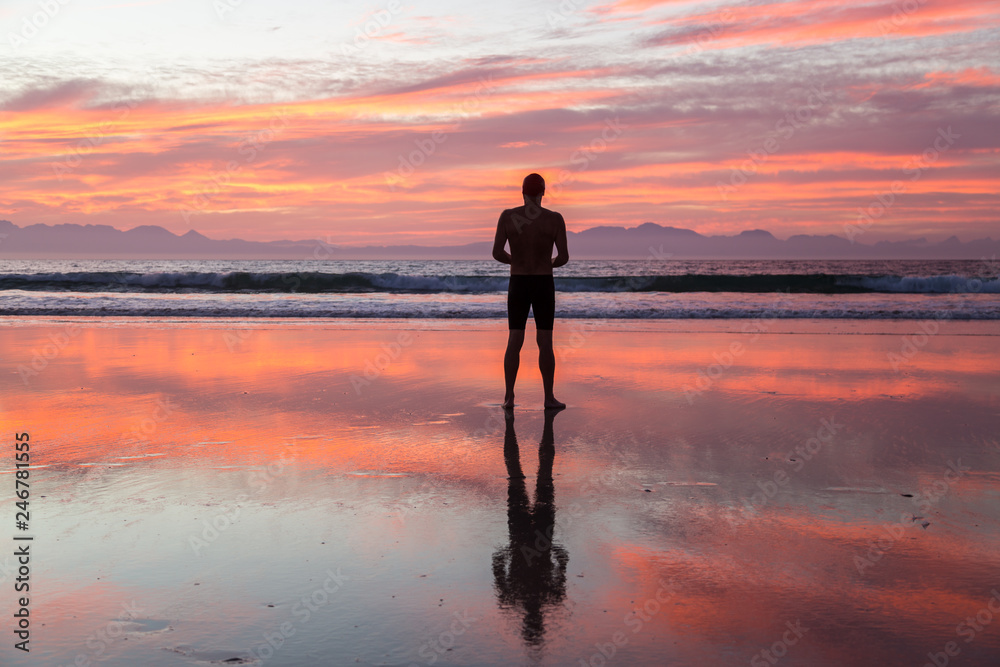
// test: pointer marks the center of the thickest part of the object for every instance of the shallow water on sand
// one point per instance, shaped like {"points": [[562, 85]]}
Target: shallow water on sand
{"points": [[306, 495]]}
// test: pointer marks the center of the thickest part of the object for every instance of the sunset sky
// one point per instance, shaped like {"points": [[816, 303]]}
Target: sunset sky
{"points": [[397, 122]]}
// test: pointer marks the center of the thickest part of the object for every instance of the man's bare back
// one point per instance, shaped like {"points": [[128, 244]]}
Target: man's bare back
{"points": [[531, 231]]}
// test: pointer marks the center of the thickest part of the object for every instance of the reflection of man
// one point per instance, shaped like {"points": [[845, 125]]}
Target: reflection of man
{"points": [[531, 231], [529, 574]]}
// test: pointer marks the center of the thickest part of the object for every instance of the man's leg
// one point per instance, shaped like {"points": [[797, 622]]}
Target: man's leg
{"points": [[518, 306], [547, 365], [511, 362], [544, 308]]}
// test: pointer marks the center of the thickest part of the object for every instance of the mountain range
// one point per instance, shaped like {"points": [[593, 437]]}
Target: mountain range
{"points": [[647, 241]]}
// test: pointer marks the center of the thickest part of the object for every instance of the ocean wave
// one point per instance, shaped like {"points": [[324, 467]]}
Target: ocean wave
{"points": [[359, 282], [932, 284], [471, 307]]}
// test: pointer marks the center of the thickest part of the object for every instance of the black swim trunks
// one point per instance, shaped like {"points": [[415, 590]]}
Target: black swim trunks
{"points": [[535, 292]]}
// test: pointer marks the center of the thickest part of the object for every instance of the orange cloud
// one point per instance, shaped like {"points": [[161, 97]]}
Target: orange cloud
{"points": [[822, 22]]}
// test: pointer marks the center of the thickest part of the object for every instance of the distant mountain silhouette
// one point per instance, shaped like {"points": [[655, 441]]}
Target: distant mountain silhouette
{"points": [[647, 241]]}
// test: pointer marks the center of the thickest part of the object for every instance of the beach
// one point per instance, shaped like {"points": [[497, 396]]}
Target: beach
{"points": [[263, 269], [345, 492]]}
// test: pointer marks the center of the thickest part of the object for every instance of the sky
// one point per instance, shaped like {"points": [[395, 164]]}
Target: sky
{"points": [[393, 122]]}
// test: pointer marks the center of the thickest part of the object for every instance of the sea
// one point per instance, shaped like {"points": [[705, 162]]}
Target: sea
{"points": [[652, 289]]}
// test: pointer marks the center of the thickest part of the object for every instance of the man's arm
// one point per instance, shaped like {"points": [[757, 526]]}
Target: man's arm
{"points": [[499, 254], [562, 253]]}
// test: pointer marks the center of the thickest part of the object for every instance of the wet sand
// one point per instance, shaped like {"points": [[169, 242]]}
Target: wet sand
{"points": [[315, 494]]}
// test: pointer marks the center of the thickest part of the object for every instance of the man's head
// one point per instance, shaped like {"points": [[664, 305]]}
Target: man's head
{"points": [[533, 186]]}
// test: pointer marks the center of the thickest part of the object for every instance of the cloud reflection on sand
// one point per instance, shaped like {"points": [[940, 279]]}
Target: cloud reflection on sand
{"points": [[405, 487]]}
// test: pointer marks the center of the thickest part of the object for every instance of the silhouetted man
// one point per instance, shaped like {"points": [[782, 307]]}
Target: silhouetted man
{"points": [[531, 231]]}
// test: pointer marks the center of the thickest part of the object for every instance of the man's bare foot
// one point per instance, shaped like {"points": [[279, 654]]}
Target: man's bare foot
{"points": [[552, 404], [508, 402]]}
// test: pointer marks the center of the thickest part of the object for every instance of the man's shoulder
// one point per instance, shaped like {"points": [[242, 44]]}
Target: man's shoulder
{"points": [[519, 216], [521, 211], [554, 216], [517, 212]]}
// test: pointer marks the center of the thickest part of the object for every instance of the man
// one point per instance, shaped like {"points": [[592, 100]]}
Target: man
{"points": [[531, 232]]}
